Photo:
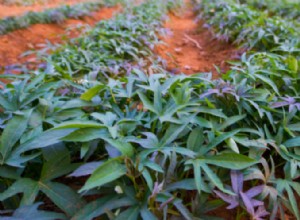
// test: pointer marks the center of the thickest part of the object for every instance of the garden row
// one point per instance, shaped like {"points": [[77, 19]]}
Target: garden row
{"points": [[155, 145], [22, 2], [271, 68], [287, 9], [32, 106], [55, 15]]}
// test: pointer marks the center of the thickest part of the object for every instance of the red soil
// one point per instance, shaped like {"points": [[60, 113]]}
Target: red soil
{"points": [[16, 43], [14, 10], [192, 49]]}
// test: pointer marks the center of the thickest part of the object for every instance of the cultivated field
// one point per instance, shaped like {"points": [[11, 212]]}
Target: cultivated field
{"points": [[124, 109]]}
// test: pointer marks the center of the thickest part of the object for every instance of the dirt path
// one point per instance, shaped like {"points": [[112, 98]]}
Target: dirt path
{"points": [[16, 10], [16, 43], [192, 49]]}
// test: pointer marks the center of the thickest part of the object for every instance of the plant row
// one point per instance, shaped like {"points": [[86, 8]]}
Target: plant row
{"points": [[273, 64], [254, 28], [286, 9], [22, 2], [56, 15], [51, 98]]}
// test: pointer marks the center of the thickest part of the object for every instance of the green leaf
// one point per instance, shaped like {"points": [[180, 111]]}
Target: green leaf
{"points": [[171, 134], [214, 112], [58, 163], [180, 150], [85, 135], [232, 145], [202, 122], [214, 178], [183, 210], [92, 92], [157, 96], [7, 105], [293, 65], [267, 81], [47, 138], [293, 201], [230, 161], [198, 175], [105, 173], [294, 142], [100, 206], [9, 172], [230, 121], [68, 114], [28, 187], [76, 103], [148, 178], [185, 184], [38, 92], [195, 139], [86, 169], [63, 196], [12, 133], [125, 148], [294, 127], [198, 180], [153, 166], [107, 119], [131, 213], [284, 185], [147, 214], [218, 140], [79, 124], [147, 104], [32, 212]]}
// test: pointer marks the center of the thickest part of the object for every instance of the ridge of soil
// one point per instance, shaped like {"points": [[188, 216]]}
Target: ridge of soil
{"points": [[14, 44], [18, 10], [193, 49]]}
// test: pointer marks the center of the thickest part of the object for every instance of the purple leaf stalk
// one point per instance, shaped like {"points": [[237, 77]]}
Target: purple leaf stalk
{"points": [[254, 207], [220, 90], [287, 101]]}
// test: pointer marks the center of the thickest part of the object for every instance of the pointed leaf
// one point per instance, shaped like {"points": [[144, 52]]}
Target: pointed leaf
{"points": [[12, 133], [27, 186], [100, 206], [86, 169], [218, 140], [230, 161], [63, 196], [147, 103], [32, 212], [131, 213], [195, 139], [293, 142], [124, 147], [107, 172], [92, 92]]}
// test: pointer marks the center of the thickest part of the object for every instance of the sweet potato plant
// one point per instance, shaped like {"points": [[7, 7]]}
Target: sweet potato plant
{"points": [[103, 130]]}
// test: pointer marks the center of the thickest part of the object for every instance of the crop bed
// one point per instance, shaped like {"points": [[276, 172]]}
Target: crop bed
{"points": [[103, 129], [57, 15], [29, 2], [13, 8]]}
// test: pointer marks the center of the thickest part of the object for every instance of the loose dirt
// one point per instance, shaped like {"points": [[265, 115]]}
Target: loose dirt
{"points": [[14, 44], [192, 49], [16, 10]]}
